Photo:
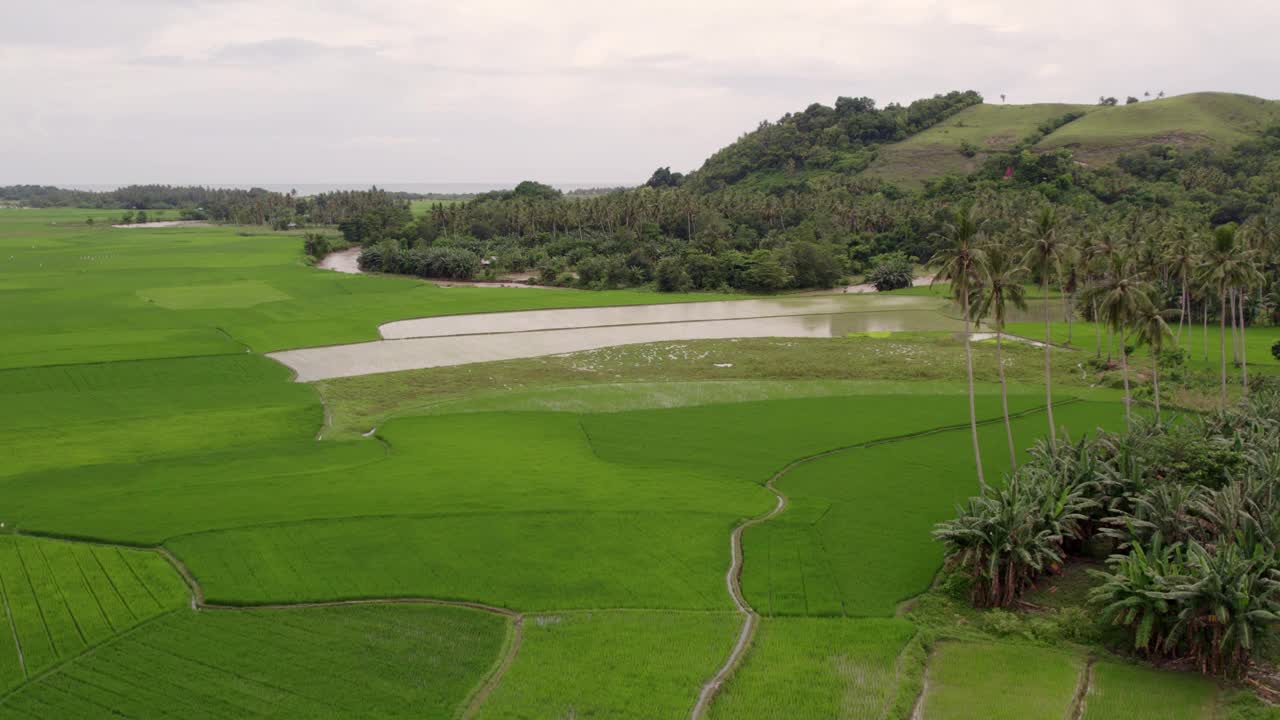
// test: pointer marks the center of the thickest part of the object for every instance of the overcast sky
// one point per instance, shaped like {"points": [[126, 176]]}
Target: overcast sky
{"points": [[230, 91]]}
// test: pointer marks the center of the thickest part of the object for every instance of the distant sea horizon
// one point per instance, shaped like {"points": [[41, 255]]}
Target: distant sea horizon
{"points": [[424, 188]]}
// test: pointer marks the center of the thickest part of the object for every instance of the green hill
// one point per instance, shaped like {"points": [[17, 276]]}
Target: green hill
{"points": [[954, 134], [1208, 118], [940, 149]]}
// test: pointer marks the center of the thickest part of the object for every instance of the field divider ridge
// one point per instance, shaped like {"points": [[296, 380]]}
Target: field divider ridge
{"points": [[511, 646], [13, 628], [86, 651], [733, 578]]}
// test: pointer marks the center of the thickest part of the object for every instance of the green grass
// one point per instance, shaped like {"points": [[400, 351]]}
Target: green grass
{"points": [[421, 207], [60, 598], [385, 661], [1008, 682], [613, 664], [124, 412], [1128, 692], [812, 559], [905, 363], [936, 151], [96, 294], [800, 668], [1202, 349], [1194, 119], [1068, 589]]}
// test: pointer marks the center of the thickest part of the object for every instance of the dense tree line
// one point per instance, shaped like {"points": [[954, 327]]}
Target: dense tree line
{"points": [[255, 206]]}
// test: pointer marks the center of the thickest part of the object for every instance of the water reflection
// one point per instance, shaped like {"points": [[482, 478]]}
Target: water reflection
{"points": [[436, 342]]}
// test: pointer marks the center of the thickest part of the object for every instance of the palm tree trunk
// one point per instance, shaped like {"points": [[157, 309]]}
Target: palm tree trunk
{"points": [[1244, 353], [1235, 342], [1097, 331], [1048, 373], [973, 410], [1182, 313], [1004, 398], [1222, 345], [1066, 312], [1205, 345], [1155, 384], [1124, 369]]}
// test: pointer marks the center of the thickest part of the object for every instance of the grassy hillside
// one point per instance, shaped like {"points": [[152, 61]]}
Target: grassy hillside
{"points": [[1187, 120], [937, 151], [802, 150]]}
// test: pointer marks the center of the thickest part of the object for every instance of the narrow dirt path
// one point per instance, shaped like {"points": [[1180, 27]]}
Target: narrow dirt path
{"points": [[481, 693], [1081, 698], [917, 711], [733, 578]]}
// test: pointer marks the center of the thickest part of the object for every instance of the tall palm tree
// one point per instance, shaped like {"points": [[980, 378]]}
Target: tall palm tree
{"points": [[1122, 295], [1094, 253], [956, 262], [1224, 268], [1002, 275], [1250, 276], [1153, 331], [1045, 256], [1181, 257]]}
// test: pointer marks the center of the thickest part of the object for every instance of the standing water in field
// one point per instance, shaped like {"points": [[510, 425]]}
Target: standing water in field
{"points": [[461, 339], [343, 261]]}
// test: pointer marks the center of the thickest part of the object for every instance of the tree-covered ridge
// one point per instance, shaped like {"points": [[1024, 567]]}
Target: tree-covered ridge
{"points": [[823, 137]]}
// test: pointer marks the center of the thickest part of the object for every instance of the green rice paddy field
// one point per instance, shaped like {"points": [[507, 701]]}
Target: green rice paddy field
{"points": [[175, 535]]}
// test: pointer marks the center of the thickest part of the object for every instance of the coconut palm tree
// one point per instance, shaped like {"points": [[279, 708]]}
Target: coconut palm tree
{"points": [[1045, 255], [1122, 295], [1095, 250], [956, 262], [1181, 256], [1002, 275], [1225, 267], [1073, 274], [1153, 331]]}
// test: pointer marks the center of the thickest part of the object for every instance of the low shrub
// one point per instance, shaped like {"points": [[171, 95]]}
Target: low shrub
{"points": [[890, 271]]}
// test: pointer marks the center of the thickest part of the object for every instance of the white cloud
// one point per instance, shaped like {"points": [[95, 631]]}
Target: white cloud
{"points": [[563, 90]]}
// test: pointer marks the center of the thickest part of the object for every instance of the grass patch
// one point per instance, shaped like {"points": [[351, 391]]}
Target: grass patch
{"points": [[386, 661], [619, 664], [1184, 120], [123, 412], [204, 297], [1009, 682], [904, 361], [1070, 588], [817, 668], [1129, 692], [936, 151]]}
